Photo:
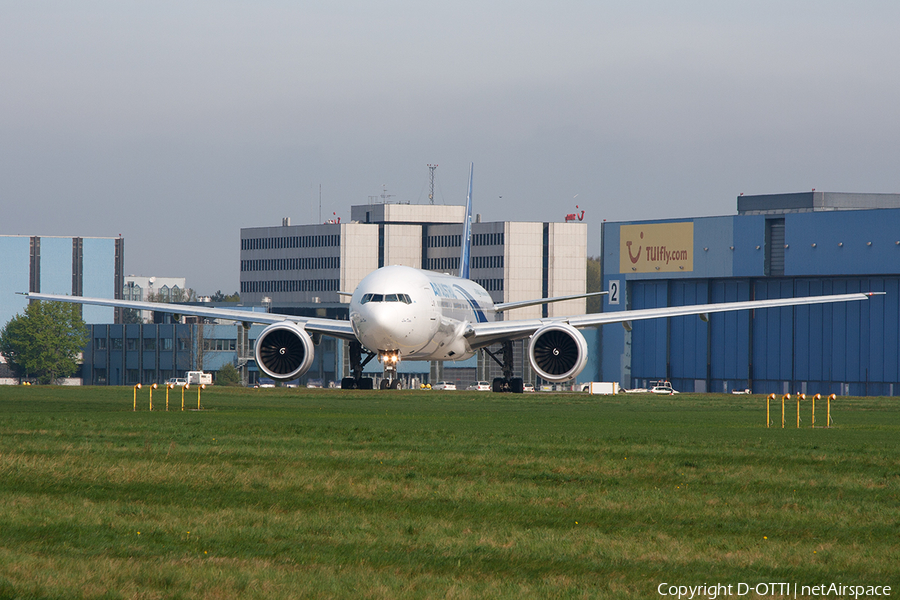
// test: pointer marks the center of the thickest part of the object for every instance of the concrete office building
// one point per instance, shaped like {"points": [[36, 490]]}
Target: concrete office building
{"points": [[778, 245], [299, 269], [78, 266]]}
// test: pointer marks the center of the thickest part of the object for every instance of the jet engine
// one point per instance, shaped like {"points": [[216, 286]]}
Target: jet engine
{"points": [[284, 351], [557, 352]]}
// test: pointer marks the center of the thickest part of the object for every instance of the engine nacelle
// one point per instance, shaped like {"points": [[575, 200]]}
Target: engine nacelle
{"points": [[284, 351], [557, 352]]}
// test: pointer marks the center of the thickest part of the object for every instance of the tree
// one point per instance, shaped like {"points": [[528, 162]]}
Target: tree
{"points": [[594, 284], [220, 297], [228, 375], [45, 342]]}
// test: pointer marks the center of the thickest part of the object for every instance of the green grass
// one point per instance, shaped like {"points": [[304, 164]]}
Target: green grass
{"points": [[323, 493]]}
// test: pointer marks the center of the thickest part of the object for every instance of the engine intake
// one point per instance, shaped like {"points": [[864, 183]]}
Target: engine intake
{"points": [[284, 351], [557, 352]]}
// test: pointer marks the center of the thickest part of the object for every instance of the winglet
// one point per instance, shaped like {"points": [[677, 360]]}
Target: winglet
{"points": [[467, 231]]}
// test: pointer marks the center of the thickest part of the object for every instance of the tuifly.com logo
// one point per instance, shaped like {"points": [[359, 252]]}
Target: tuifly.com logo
{"points": [[656, 248]]}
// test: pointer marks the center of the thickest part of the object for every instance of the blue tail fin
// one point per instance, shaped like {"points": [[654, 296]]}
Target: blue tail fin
{"points": [[467, 231]]}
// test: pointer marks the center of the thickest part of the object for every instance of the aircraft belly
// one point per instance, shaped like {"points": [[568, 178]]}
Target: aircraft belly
{"points": [[448, 343]]}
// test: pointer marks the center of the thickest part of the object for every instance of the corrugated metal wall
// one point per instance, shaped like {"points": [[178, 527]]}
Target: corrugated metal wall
{"points": [[848, 348]]}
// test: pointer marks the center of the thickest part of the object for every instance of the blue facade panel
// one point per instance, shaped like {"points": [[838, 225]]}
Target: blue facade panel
{"points": [[56, 265], [749, 246], [713, 242], [729, 335], [98, 277], [649, 338], [14, 276], [688, 335], [853, 242]]}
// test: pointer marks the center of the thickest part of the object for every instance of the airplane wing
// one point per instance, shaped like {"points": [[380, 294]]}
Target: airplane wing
{"points": [[522, 303], [480, 335], [332, 327]]}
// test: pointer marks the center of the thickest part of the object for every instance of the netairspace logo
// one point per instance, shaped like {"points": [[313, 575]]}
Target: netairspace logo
{"points": [[772, 590]]}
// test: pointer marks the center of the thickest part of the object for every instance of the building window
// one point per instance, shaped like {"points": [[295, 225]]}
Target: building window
{"points": [[132, 376], [99, 343], [149, 376], [165, 344], [116, 343], [184, 344], [131, 344], [99, 376], [149, 344]]}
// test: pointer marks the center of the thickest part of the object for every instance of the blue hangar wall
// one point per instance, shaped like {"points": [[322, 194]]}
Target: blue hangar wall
{"points": [[848, 348]]}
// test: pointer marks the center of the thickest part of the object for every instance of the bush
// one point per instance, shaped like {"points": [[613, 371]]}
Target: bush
{"points": [[228, 375]]}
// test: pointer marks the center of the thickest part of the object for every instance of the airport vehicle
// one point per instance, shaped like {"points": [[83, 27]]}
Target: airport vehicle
{"points": [[601, 387], [177, 381], [403, 313], [662, 387], [480, 386], [444, 385], [198, 378]]}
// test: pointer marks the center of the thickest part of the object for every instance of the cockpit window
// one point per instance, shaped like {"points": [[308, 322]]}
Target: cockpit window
{"points": [[404, 298]]}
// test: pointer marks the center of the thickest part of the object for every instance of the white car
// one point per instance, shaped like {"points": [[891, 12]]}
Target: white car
{"points": [[480, 386], [176, 381], [444, 385], [662, 387]]}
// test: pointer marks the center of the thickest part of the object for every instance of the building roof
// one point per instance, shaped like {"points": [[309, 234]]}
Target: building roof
{"points": [[813, 201]]}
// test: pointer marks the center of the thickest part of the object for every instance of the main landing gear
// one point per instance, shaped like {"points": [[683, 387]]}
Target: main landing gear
{"points": [[507, 383], [357, 364]]}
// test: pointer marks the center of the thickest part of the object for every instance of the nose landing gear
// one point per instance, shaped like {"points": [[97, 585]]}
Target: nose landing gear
{"points": [[390, 359]]}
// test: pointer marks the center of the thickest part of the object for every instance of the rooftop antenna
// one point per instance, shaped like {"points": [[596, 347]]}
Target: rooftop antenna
{"points": [[431, 195], [320, 203], [384, 194]]}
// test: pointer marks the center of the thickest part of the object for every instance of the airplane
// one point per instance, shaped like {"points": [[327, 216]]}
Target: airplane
{"points": [[403, 313]]}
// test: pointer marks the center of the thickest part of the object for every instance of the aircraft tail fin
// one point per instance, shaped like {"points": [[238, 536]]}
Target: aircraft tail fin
{"points": [[467, 231]]}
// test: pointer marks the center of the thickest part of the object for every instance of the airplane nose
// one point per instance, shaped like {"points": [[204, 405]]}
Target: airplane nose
{"points": [[386, 326]]}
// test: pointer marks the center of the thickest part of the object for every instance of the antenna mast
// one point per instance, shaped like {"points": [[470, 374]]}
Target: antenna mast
{"points": [[431, 195]]}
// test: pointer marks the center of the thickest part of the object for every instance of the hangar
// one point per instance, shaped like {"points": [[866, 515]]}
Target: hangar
{"points": [[778, 245]]}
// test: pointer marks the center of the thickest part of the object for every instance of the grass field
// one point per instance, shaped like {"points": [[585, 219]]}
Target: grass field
{"points": [[322, 493]]}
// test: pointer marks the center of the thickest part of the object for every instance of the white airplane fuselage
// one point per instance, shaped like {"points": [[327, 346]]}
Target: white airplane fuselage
{"points": [[421, 315]]}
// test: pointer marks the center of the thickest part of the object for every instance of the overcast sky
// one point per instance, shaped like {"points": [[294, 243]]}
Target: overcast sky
{"points": [[177, 123]]}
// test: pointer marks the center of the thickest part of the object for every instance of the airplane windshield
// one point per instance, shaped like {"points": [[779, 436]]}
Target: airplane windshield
{"points": [[404, 298]]}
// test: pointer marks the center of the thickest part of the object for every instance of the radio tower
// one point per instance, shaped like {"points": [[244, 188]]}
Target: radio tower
{"points": [[431, 195]]}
